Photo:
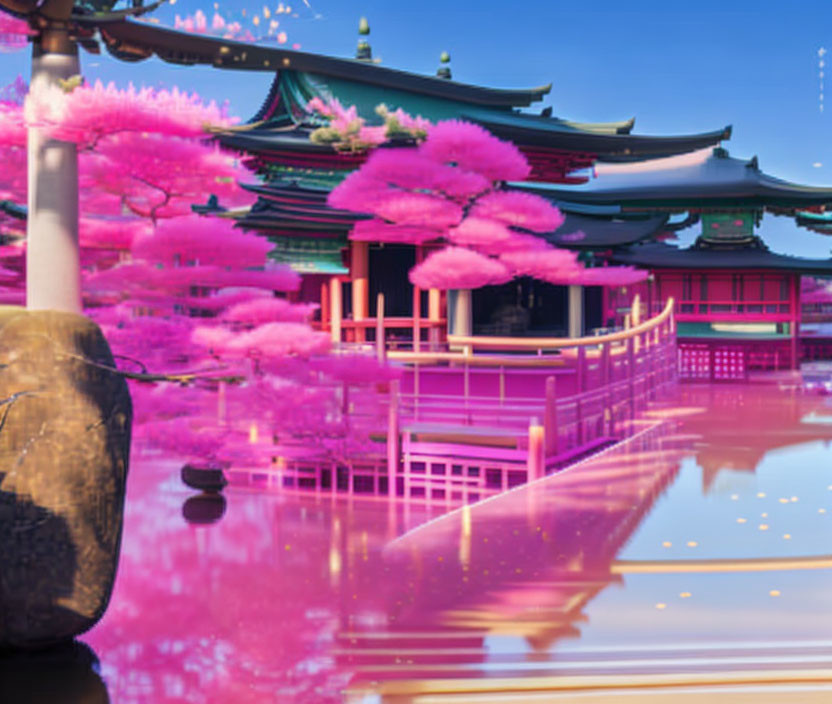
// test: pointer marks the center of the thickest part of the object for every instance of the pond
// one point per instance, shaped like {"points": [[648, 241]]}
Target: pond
{"points": [[691, 562]]}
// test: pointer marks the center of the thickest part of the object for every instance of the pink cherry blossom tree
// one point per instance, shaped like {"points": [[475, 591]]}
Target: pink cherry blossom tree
{"points": [[183, 299], [449, 190]]}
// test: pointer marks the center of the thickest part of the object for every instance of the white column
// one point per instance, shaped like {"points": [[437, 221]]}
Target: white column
{"points": [[576, 310], [53, 278], [461, 313]]}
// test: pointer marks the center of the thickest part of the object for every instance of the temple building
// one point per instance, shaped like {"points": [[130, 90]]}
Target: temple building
{"points": [[737, 302], [347, 276], [734, 296]]}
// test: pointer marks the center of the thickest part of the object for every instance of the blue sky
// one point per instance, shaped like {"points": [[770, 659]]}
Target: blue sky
{"points": [[676, 67]]}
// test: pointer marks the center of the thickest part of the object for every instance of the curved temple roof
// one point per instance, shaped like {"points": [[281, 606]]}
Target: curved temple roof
{"points": [[609, 144], [142, 40], [551, 144], [816, 222], [706, 180], [663, 256], [586, 232]]}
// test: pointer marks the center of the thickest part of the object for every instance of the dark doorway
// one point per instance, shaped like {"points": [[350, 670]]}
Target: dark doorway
{"points": [[523, 306], [593, 308], [389, 267]]}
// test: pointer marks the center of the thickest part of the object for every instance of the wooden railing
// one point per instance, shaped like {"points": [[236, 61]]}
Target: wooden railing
{"points": [[478, 440], [538, 344], [612, 376], [756, 310]]}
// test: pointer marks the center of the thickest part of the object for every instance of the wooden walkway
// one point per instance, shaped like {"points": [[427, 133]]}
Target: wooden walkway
{"points": [[455, 429]]}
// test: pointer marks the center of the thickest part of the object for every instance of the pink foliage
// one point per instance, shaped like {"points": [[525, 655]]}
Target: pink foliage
{"points": [[815, 293], [268, 310], [422, 194], [481, 233], [13, 173], [12, 127], [198, 24], [557, 266], [411, 169], [612, 276], [15, 92], [523, 210], [473, 148], [418, 123], [88, 113], [420, 209], [350, 128], [12, 142], [218, 243], [13, 32], [341, 118], [154, 403], [561, 267], [355, 369], [371, 135], [358, 193], [12, 296], [272, 277], [456, 267], [377, 230], [158, 176], [155, 341], [269, 340], [111, 233], [192, 440]]}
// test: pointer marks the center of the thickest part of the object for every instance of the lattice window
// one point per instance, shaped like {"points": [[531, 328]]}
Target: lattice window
{"points": [[729, 363], [694, 362]]}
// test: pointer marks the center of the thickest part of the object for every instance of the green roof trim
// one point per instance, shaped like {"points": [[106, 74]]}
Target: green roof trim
{"points": [[310, 255]]}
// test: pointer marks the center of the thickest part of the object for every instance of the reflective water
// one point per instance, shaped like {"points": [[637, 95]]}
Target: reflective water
{"points": [[697, 554]]}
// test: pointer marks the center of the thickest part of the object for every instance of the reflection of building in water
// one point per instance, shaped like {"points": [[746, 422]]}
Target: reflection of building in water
{"points": [[743, 428], [522, 566]]}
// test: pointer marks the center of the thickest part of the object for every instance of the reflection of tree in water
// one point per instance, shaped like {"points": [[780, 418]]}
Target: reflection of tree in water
{"points": [[66, 674], [287, 596]]}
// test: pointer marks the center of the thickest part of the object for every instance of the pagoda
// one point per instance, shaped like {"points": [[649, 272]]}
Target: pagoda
{"points": [[299, 173], [738, 303]]}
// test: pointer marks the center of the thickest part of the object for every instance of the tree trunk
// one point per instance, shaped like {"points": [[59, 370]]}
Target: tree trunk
{"points": [[53, 278]]}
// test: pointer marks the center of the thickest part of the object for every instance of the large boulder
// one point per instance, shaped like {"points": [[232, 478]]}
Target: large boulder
{"points": [[64, 446]]}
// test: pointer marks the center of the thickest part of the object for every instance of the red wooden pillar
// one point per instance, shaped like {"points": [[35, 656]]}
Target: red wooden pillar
{"points": [[325, 305], [795, 321], [359, 274], [335, 309]]}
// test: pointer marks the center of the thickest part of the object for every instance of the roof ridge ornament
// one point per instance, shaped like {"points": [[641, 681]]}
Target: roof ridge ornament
{"points": [[444, 70], [364, 52]]}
